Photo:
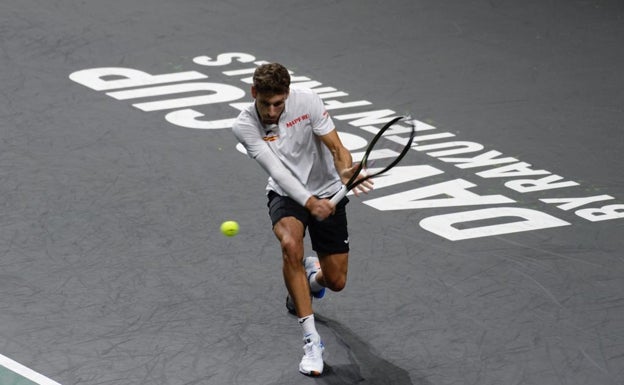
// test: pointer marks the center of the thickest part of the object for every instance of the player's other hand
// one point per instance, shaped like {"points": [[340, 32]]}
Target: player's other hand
{"points": [[320, 208], [363, 187]]}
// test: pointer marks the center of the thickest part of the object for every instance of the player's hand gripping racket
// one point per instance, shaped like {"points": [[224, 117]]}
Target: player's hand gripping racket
{"points": [[384, 158]]}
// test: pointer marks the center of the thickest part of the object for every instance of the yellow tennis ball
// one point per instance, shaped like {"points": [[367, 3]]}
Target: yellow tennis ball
{"points": [[229, 228]]}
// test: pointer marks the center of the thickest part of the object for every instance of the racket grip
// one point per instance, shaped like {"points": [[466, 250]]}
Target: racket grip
{"points": [[339, 195]]}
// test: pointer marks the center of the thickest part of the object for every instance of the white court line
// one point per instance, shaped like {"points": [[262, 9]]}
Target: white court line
{"points": [[25, 372]]}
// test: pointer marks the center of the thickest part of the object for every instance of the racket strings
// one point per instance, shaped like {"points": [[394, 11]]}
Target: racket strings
{"points": [[382, 155]]}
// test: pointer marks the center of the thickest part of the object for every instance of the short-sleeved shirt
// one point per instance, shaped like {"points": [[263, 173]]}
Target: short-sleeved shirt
{"points": [[294, 140]]}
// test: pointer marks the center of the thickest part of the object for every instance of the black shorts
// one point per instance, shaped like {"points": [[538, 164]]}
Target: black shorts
{"points": [[329, 236]]}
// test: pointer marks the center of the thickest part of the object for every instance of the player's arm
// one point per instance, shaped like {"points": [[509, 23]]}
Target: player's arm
{"points": [[343, 161], [342, 157], [319, 208], [259, 150]]}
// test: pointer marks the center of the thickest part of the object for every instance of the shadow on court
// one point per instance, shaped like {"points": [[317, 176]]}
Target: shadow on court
{"points": [[365, 367]]}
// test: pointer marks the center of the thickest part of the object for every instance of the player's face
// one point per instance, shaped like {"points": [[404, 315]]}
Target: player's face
{"points": [[270, 107]]}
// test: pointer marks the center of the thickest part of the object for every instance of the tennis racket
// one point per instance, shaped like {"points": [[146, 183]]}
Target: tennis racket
{"points": [[383, 158]]}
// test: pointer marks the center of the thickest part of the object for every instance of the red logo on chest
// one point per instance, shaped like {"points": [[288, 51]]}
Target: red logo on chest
{"points": [[297, 120]]}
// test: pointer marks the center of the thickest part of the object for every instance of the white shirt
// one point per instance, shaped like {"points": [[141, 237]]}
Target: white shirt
{"points": [[298, 163]]}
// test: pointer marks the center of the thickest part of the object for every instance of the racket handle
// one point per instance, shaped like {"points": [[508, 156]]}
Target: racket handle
{"points": [[339, 195]]}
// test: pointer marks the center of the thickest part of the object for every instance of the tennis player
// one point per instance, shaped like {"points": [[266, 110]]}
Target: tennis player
{"points": [[291, 135]]}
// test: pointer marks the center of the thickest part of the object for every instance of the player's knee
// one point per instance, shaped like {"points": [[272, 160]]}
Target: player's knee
{"points": [[290, 247], [336, 283]]}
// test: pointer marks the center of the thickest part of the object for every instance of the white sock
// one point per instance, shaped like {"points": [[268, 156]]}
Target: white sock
{"points": [[314, 285], [307, 324]]}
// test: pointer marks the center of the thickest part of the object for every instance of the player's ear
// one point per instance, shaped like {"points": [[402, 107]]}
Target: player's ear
{"points": [[254, 92]]}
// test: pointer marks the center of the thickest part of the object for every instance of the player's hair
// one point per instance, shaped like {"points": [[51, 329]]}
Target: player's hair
{"points": [[271, 79]]}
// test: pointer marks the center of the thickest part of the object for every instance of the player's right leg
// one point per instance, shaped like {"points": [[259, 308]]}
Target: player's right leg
{"points": [[289, 232], [288, 220]]}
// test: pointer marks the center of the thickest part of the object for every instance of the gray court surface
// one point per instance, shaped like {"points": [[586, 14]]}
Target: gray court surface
{"points": [[499, 265]]}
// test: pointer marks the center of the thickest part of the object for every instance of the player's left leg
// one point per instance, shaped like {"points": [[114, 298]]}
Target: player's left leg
{"points": [[330, 240], [332, 273]]}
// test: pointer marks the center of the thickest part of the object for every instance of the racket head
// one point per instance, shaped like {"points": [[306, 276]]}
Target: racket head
{"points": [[379, 155]]}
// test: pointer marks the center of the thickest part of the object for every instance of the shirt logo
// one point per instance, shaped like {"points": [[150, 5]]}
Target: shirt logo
{"points": [[298, 120]]}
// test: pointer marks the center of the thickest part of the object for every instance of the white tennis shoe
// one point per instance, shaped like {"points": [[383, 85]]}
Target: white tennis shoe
{"points": [[312, 362]]}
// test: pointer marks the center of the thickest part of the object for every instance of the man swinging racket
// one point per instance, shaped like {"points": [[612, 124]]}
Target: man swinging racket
{"points": [[291, 135]]}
